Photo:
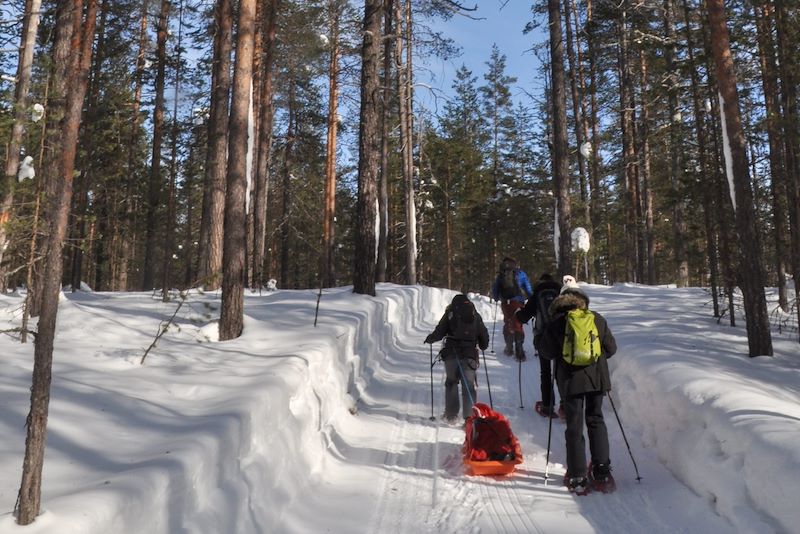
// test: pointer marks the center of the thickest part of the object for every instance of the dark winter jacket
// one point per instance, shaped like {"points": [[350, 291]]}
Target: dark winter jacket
{"points": [[574, 380], [523, 284], [460, 336], [528, 311]]}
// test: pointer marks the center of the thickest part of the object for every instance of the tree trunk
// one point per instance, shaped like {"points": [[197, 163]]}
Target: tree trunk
{"points": [[675, 148], [286, 172], [154, 185], [630, 171], [383, 185], [80, 39], [266, 111], [365, 256], [211, 224], [791, 126], [705, 170], [563, 245], [231, 319], [644, 133], [328, 230], [126, 241], [751, 269], [169, 227], [406, 135], [594, 174], [769, 80], [30, 27]]}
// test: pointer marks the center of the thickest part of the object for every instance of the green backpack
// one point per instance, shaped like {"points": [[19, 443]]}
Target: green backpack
{"points": [[581, 339]]}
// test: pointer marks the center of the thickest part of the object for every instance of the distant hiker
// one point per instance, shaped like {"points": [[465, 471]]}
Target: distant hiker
{"points": [[511, 288], [463, 329], [579, 341], [545, 291]]}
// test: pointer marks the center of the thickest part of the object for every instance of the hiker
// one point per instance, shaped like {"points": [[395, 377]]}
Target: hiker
{"points": [[462, 328], [583, 379], [545, 291], [511, 288]]}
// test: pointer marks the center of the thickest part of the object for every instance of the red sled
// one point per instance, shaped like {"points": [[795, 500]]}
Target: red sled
{"points": [[490, 447]]}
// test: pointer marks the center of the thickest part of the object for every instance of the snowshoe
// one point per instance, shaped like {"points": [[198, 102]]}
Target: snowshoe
{"points": [[577, 485], [561, 415], [544, 411], [451, 420], [601, 479]]}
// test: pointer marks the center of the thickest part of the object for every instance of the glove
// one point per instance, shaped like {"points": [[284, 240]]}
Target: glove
{"points": [[429, 339]]}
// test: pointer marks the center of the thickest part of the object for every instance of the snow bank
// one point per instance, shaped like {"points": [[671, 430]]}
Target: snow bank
{"points": [[725, 424]]}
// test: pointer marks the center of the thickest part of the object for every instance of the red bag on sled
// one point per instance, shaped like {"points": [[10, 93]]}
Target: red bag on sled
{"points": [[490, 447]]}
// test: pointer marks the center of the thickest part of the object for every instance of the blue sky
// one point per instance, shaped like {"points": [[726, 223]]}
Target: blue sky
{"points": [[497, 24]]}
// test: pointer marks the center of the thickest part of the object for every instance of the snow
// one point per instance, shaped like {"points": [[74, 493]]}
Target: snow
{"points": [[294, 429], [726, 151], [580, 240]]}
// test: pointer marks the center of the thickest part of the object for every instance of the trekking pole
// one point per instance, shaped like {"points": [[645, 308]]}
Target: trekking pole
{"points": [[488, 385], [432, 416], [550, 423], [519, 377], [638, 478], [494, 325]]}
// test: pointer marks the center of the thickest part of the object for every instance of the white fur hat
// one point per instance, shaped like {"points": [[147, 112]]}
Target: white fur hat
{"points": [[569, 282]]}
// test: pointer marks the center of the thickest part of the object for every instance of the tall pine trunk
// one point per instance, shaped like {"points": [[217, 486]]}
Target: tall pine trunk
{"points": [[211, 223], [383, 184], [266, 114], [751, 269], [365, 256], [328, 231], [30, 27], [563, 245], [80, 37], [231, 319]]}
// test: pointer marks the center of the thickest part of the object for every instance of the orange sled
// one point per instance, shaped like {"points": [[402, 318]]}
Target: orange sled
{"points": [[490, 447]]}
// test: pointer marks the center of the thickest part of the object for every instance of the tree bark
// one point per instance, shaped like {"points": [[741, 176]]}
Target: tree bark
{"points": [[154, 184], [30, 28], [563, 245], [644, 151], [267, 111], [630, 167], [751, 270], [211, 224], [365, 256], [231, 319], [675, 149], [769, 80], [80, 39], [328, 230], [383, 184]]}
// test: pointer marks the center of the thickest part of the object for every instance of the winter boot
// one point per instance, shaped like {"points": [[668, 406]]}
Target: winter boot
{"points": [[519, 353], [577, 485], [601, 479], [509, 350]]}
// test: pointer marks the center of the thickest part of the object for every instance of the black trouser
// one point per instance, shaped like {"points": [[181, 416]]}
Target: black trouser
{"points": [[546, 374], [574, 408]]}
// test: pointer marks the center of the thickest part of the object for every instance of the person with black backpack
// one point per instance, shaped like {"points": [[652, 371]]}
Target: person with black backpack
{"points": [[462, 328], [511, 288], [580, 342], [545, 291]]}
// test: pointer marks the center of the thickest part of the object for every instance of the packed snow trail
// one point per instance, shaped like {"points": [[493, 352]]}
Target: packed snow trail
{"points": [[397, 406]]}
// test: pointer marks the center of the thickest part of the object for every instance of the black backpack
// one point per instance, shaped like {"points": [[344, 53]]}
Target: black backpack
{"points": [[507, 281], [463, 320], [544, 298]]}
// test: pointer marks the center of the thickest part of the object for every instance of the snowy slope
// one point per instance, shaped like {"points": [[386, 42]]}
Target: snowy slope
{"points": [[292, 428]]}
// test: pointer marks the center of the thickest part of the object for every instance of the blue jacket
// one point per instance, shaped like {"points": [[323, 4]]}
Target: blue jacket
{"points": [[522, 282]]}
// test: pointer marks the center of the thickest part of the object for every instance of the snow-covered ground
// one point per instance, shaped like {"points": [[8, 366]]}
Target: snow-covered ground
{"points": [[296, 429]]}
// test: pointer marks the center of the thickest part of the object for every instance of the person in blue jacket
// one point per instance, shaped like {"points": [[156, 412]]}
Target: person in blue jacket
{"points": [[511, 288]]}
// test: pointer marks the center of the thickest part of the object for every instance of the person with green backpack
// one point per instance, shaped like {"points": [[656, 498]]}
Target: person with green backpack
{"points": [[580, 341]]}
